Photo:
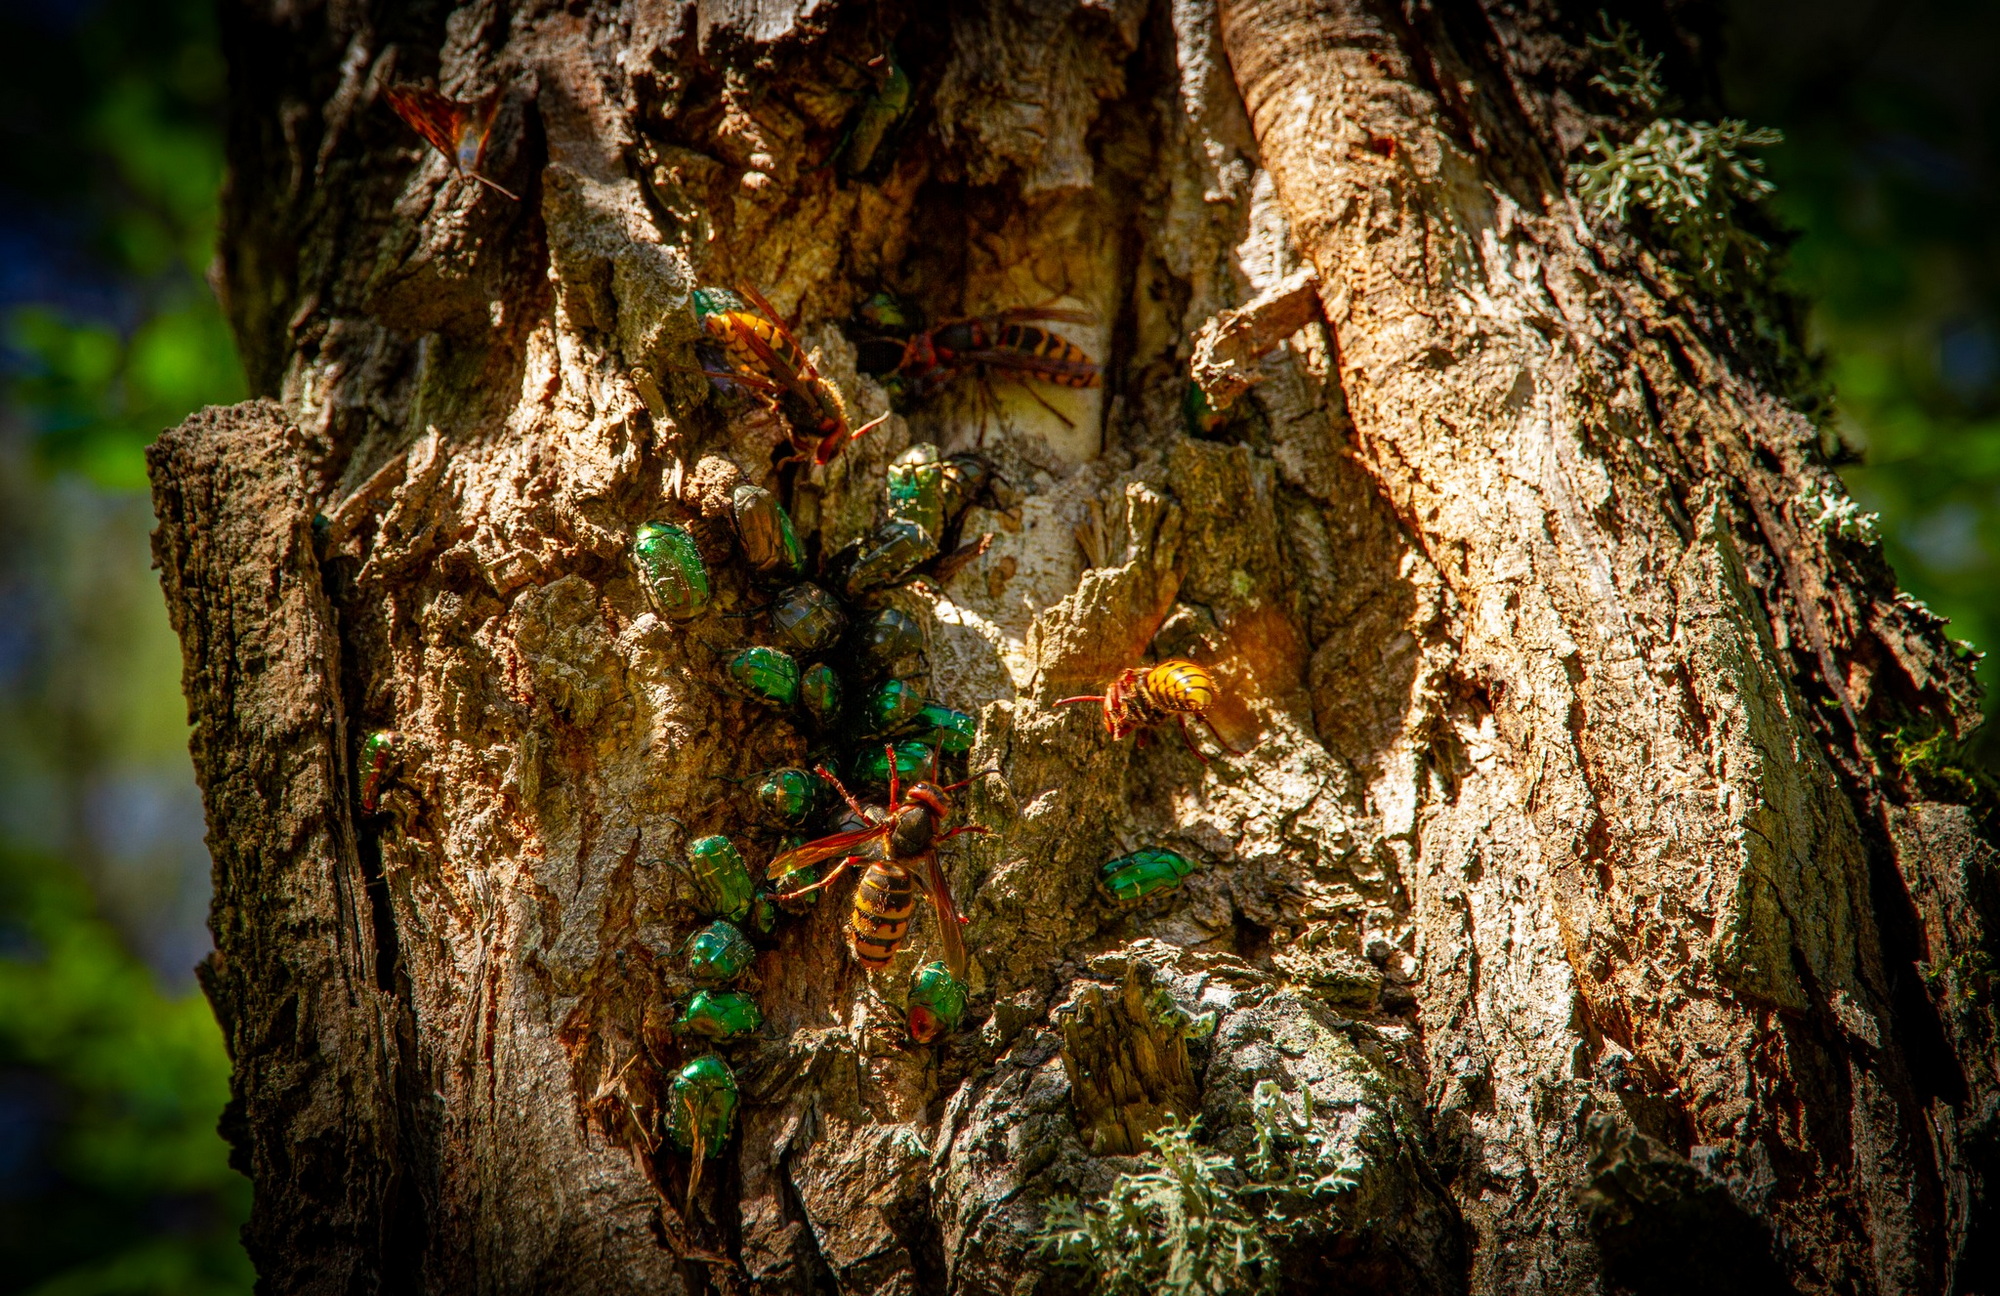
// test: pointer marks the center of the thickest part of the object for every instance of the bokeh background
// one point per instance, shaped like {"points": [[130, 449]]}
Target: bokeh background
{"points": [[112, 1076]]}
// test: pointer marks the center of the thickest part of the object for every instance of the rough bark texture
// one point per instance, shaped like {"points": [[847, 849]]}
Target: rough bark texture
{"points": [[1574, 872]]}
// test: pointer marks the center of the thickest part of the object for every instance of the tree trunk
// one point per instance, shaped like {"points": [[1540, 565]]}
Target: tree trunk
{"points": [[1579, 868]]}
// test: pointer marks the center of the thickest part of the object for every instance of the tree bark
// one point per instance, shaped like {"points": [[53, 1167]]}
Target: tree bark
{"points": [[1577, 870]]}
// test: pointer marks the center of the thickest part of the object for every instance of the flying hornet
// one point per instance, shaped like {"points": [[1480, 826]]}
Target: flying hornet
{"points": [[1008, 343], [761, 352], [1143, 696], [902, 842]]}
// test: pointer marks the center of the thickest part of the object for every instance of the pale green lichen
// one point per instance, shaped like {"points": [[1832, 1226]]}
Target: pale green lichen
{"points": [[1693, 180], [1838, 515], [1195, 1223]]}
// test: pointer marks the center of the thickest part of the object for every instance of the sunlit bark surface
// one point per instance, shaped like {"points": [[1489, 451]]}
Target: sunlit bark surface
{"points": [[1574, 868]]}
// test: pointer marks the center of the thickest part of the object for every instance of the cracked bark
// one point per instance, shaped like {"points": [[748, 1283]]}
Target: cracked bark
{"points": [[1573, 872]]}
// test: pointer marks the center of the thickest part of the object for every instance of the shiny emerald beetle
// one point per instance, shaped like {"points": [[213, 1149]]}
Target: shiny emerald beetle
{"points": [[671, 569], [877, 119], [916, 490], [937, 1002], [890, 553], [786, 796], [769, 675], [915, 762], [719, 952], [770, 543], [951, 730], [720, 1015], [701, 1105], [724, 879], [378, 753], [891, 707], [820, 694], [1131, 878], [890, 643], [807, 619]]}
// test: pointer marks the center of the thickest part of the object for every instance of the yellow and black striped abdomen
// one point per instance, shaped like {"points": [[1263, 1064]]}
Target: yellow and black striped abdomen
{"points": [[883, 902], [1178, 684], [734, 329], [1074, 367]]}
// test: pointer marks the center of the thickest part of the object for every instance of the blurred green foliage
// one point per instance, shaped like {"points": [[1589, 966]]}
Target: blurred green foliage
{"points": [[113, 1178], [1887, 171], [116, 1180], [112, 126]]}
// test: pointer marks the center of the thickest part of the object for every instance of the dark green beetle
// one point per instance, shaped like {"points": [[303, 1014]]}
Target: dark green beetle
{"points": [[720, 1015], [820, 694], [884, 314], [890, 643], [891, 552], [949, 729], [1131, 878], [724, 880], [914, 763], [877, 118], [786, 796], [769, 675], [1200, 418], [719, 952], [770, 544], [966, 477], [671, 569], [701, 1104], [916, 490], [808, 619], [937, 1002], [892, 706]]}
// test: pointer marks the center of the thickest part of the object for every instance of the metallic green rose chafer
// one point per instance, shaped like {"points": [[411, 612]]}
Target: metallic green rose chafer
{"points": [[719, 952], [786, 796], [720, 1014], [916, 489], [378, 753], [949, 729], [701, 1104], [914, 762], [807, 619], [1131, 878], [937, 1002], [770, 543], [891, 552], [671, 569], [767, 674], [719, 870], [820, 694], [892, 706], [890, 643]]}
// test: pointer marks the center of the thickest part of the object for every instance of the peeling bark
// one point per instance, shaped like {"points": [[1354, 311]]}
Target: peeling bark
{"points": [[1573, 870]]}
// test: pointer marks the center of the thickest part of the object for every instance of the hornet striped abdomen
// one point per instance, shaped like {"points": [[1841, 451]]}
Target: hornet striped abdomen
{"points": [[1148, 695], [880, 917]]}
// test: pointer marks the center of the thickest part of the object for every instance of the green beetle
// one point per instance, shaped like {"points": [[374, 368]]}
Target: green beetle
{"points": [[719, 952], [724, 879], [769, 675], [770, 543], [701, 1105], [951, 730], [890, 707], [916, 490], [807, 619], [820, 694], [891, 552], [878, 117], [937, 1002], [915, 762], [889, 643], [1131, 878], [720, 1015], [786, 796], [671, 570]]}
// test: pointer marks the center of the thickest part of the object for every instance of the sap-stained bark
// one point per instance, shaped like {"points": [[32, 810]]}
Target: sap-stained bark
{"points": [[1568, 870]]}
